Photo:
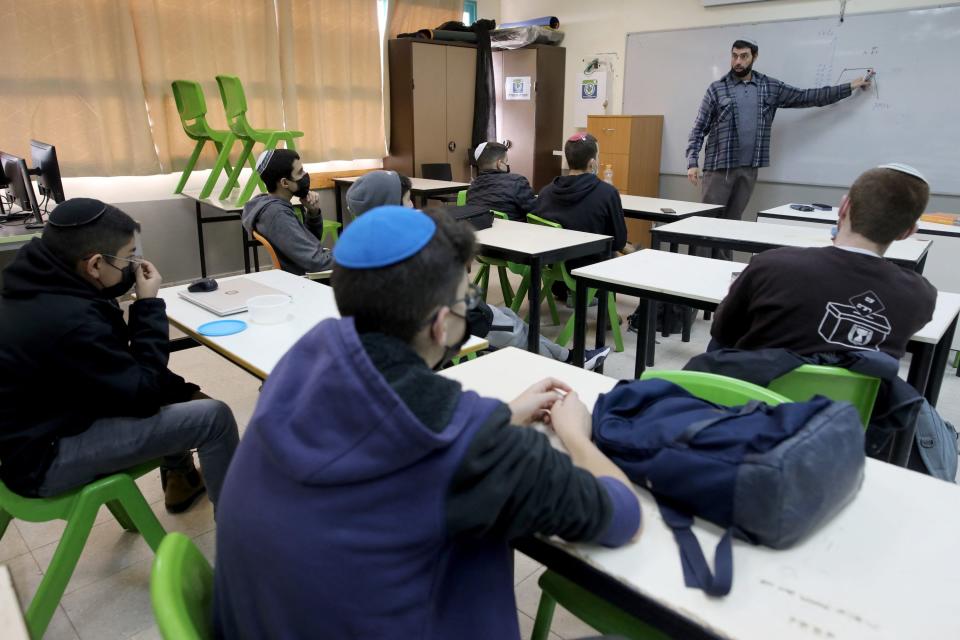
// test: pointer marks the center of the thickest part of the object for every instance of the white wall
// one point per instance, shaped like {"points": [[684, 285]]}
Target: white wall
{"points": [[489, 9]]}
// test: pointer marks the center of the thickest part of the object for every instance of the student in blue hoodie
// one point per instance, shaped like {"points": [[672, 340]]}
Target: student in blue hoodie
{"points": [[371, 497]]}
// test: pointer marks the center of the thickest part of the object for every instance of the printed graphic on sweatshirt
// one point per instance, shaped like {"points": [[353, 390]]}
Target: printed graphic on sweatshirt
{"points": [[858, 325]]}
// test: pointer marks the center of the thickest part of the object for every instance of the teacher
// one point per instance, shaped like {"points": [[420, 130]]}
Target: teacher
{"points": [[737, 112]]}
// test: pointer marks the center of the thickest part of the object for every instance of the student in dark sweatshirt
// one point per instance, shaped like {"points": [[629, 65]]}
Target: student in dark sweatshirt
{"points": [[373, 498], [580, 200], [296, 240], [496, 187]]}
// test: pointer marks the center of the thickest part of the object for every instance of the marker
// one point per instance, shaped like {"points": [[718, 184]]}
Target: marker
{"points": [[870, 74]]}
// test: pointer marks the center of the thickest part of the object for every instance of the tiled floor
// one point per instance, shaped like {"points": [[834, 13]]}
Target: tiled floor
{"points": [[108, 597]]}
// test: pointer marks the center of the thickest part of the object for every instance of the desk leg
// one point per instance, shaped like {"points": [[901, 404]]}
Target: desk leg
{"points": [[689, 315], [938, 368], [922, 263], [643, 332], [601, 322], [651, 333], [338, 198], [203, 257], [533, 296], [674, 247], [579, 323]]}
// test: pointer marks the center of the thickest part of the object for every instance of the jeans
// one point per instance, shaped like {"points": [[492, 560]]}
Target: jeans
{"points": [[114, 444], [731, 188]]}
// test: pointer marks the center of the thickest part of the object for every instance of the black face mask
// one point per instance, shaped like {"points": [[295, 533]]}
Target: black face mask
{"points": [[303, 186], [507, 169], [128, 278], [451, 351]]}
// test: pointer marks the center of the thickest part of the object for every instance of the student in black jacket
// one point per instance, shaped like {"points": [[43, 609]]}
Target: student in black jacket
{"points": [[496, 187], [83, 393]]}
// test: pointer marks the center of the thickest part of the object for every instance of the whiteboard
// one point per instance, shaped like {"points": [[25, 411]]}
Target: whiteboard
{"points": [[911, 114]]}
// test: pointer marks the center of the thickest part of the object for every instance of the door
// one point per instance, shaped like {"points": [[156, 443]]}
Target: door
{"points": [[516, 119], [429, 106], [460, 76]]}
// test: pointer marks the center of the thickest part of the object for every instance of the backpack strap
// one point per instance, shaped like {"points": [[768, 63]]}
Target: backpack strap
{"points": [[696, 572], [694, 428]]}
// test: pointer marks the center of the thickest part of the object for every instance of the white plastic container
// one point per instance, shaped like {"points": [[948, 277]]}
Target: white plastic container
{"points": [[269, 309]]}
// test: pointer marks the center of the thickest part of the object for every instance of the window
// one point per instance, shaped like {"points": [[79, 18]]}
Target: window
{"points": [[469, 12]]}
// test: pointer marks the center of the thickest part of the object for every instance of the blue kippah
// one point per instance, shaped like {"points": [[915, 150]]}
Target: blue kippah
{"points": [[383, 236]]}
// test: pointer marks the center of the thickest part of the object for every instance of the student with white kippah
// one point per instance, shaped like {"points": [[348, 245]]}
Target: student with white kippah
{"points": [[786, 297], [735, 117], [495, 187], [296, 241]]}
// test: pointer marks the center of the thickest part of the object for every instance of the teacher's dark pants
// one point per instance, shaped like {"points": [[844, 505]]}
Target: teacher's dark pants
{"points": [[731, 188]]}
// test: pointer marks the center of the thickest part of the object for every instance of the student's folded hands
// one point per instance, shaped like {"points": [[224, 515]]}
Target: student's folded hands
{"points": [[534, 404]]}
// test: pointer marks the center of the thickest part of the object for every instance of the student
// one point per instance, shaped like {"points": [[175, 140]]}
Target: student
{"points": [[386, 496], [840, 298], [506, 328], [580, 200], [495, 187], [296, 241], [84, 394], [378, 188]]}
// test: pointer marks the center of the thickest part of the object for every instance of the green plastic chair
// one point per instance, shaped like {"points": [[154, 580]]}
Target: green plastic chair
{"points": [[79, 508], [559, 272], [235, 105], [181, 590], [598, 613], [331, 228], [835, 383], [192, 107]]}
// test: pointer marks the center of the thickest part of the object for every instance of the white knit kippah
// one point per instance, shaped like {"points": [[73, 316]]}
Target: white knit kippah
{"points": [[903, 168], [479, 150], [263, 160]]}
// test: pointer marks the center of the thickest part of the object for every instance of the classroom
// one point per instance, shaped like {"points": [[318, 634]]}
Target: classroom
{"points": [[479, 319]]}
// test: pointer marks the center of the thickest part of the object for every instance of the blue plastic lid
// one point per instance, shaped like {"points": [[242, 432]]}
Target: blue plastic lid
{"points": [[222, 328]]}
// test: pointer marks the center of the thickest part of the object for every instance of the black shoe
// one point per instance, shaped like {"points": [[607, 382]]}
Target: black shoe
{"points": [[181, 489]]}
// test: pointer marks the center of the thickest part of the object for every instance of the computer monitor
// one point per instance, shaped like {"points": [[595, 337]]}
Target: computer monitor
{"points": [[47, 170], [20, 189]]}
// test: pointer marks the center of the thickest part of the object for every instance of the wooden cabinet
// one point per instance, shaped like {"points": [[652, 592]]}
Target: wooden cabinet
{"points": [[431, 105], [631, 146], [532, 128]]}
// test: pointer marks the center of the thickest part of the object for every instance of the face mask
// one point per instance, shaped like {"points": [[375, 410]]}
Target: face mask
{"points": [[507, 170], [450, 351], [128, 278], [303, 186]]}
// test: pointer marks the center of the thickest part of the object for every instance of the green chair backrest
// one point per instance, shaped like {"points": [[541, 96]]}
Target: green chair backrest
{"points": [[189, 98], [235, 106], [535, 219], [718, 389], [836, 383], [181, 590], [461, 197], [560, 269], [499, 214]]}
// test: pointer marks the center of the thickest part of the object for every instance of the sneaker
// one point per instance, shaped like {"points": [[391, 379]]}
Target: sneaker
{"points": [[593, 358], [181, 489]]}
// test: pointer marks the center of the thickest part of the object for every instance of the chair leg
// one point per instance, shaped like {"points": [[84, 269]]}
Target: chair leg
{"points": [[142, 516], [223, 162], [227, 165], [541, 626], [483, 280], [5, 519], [187, 170], [234, 176], [520, 294], [64, 561], [552, 304], [505, 287], [121, 515], [611, 315], [254, 178]]}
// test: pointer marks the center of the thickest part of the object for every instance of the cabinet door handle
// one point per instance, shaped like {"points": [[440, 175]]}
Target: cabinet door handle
{"points": [[452, 146], [609, 130]]}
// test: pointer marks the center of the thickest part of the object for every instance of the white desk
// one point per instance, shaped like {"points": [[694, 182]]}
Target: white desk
{"points": [[227, 211], [882, 568], [756, 237], [258, 349], [703, 283], [646, 208], [784, 212], [12, 622], [421, 187], [537, 245]]}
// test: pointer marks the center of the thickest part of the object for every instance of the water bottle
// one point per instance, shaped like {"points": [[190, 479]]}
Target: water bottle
{"points": [[608, 174]]}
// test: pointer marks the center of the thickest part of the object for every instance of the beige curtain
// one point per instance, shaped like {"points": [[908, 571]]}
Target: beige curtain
{"points": [[330, 68], [197, 40], [71, 78], [405, 16]]}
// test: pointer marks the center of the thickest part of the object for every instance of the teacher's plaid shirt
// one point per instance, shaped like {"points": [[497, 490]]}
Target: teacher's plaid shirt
{"points": [[717, 118]]}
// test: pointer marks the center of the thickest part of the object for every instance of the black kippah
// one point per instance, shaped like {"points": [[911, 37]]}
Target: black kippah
{"points": [[77, 212]]}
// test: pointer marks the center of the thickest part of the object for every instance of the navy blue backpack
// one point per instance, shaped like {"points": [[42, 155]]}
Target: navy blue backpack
{"points": [[768, 474]]}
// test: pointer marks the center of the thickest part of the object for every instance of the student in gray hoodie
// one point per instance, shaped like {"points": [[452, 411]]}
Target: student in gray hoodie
{"points": [[272, 215]]}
